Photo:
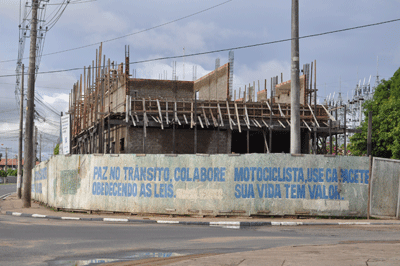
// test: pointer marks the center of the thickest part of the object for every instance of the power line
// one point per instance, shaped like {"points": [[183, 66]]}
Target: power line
{"points": [[127, 35], [225, 49]]}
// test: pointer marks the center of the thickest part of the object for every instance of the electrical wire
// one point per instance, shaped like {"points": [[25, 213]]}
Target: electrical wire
{"points": [[127, 35], [227, 49]]}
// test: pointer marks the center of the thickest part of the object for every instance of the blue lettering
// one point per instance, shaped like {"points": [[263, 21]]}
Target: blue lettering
{"points": [[196, 174], [287, 186], [259, 174], [171, 190], [237, 191], [203, 174], [300, 177], [260, 189], [312, 191], [328, 175], [301, 191], [289, 174], [295, 170]]}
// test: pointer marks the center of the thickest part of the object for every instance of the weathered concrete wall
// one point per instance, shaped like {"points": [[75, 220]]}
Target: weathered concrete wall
{"points": [[282, 91], [280, 184], [214, 85], [385, 187], [160, 141], [161, 89]]}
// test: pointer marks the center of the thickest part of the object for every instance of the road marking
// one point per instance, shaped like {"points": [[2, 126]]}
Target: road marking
{"points": [[167, 222], [225, 223], [354, 223], [70, 218], [39, 216], [114, 220]]}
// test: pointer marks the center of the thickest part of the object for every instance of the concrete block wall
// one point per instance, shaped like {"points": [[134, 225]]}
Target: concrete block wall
{"points": [[262, 96], [214, 85], [161, 141], [161, 89], [282, 91]]}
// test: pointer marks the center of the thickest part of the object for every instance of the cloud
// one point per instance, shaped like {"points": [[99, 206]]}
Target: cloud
{"points": [[194, 36], [245, 74]]}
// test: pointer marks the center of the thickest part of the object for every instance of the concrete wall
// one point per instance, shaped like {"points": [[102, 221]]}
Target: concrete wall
{"points": [[277, 184], [161, 89], [214, 85], [282, 91], [161, 141], [262, 96], [385, 187]]}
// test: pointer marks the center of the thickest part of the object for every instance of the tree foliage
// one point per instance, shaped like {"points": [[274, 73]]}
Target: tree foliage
{"points": [[385, 107], [57, 149]]}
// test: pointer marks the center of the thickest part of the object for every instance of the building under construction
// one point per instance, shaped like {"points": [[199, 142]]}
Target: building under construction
{"points": [[111, 112]]}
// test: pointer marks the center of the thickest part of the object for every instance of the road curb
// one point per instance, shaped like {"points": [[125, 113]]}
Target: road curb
{"points": [[225, 224]]}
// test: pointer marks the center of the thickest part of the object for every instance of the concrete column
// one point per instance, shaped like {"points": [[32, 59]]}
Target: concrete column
{"points": [[295, 142]]}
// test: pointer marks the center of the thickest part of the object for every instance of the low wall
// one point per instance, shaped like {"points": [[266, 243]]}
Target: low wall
{"points": [[385, 188], [274, 184]]}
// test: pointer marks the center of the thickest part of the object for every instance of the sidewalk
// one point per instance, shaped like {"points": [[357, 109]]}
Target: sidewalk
{"points": [[13, 206]]}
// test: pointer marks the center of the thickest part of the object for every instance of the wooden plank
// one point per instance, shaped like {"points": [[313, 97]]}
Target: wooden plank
{"points": [[176, 115], [329, 114], [191, 116], [269, 107], [313, 115], [237, 117], [166, 112], [144, 118], [256, 122], [201, 122], [280, 110], [160, 114], [220, 115], [133, 121], [247, 117], [265, 123], [229, 114], [307, 125], [281, 124], [213, 119], [155, 119], [205, 118], [184, 116], [287, 120], [265, 141]]}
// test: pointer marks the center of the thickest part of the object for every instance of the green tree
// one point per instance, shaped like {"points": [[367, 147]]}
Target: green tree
{"points": [[3, 173], [385, 107], [57, 149]]}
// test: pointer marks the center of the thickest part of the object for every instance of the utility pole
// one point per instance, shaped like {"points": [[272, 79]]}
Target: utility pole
{"points": [[21, 119], [40, 149], [35, 144], [295, 138], [28, 149]]}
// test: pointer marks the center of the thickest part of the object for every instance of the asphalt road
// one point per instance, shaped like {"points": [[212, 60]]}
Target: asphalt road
{"points": [[4, 189], [30, 241]]}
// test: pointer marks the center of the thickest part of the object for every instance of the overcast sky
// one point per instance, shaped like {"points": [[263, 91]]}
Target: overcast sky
{"points": [[341, 56]]}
